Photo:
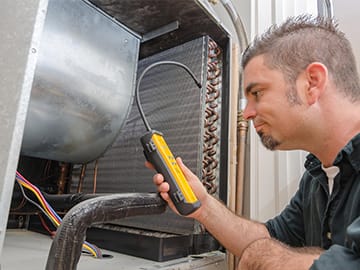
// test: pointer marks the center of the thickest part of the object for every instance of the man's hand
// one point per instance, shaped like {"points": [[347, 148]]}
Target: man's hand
{"points": [[233, 232], [193, 180]]}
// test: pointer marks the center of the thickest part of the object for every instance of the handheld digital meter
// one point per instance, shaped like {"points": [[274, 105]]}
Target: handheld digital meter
{"points": [[158, 153]]}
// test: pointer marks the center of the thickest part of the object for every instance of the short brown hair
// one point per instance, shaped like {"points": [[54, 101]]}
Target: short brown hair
{"points": [[299, 41]]}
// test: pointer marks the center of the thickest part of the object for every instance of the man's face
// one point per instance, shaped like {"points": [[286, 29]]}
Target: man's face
{"points": [[276, 112]]}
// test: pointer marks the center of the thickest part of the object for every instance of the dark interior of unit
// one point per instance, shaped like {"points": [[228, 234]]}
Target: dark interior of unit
{"points": [[162, 25]]}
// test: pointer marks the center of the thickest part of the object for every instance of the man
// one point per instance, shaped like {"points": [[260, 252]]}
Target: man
{"points": [[303, 92]]}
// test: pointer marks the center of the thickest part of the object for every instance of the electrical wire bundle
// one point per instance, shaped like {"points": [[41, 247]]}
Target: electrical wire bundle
{"points": [[49, 212]]}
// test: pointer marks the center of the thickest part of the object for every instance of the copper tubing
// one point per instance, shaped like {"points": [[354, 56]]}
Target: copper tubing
{"points": [[209, 163], [63, 178], [242, 127], [81, 178], [95, 175], [234, 92]]}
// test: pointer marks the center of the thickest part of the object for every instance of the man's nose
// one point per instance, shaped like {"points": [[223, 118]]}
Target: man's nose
{"points": [[249, 111]]}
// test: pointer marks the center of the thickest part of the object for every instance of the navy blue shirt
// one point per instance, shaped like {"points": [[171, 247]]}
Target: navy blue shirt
{"points": [[330, 221]]}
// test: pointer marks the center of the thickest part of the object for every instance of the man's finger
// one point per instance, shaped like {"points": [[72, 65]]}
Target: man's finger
{"points": [[188, 174], [149, 165]]}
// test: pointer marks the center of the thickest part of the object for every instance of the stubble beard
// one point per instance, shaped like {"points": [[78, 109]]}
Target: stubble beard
{"points": [[268, 141]]}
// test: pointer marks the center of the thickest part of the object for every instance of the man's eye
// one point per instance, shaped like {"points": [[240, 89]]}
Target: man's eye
{"points": [[256, 93]]}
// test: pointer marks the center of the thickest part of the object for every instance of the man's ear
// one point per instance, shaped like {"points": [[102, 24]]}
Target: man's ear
{"points": [[317, 77]]}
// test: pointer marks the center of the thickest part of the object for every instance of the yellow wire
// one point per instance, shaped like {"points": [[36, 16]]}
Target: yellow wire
{"points": [[90, 250], [41, 202], [86, 246]]}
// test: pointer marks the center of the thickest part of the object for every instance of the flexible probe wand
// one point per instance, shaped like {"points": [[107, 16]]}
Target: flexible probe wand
{"points": [[158, 153]]}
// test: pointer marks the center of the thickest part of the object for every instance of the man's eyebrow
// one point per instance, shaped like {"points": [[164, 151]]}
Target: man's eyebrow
{"points": [[250, 87]]}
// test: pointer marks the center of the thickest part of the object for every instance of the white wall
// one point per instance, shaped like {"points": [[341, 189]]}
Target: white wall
{"points": [[347, 12], [273, 176]]}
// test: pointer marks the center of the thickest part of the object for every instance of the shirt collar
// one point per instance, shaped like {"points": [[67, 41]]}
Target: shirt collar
{"points": [[351, 152]]}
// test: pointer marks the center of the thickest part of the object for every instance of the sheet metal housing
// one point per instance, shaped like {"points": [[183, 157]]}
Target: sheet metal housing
{"points": [[83, 85], [192, 24]]}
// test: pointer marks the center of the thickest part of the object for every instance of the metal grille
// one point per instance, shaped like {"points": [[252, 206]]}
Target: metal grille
{"points": [[174, 106]]}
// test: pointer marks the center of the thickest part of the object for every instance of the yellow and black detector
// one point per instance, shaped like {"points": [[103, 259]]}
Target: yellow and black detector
{"points": [[158, 153]]}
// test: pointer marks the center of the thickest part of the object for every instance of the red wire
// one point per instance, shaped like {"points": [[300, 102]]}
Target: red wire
{"points": [[46, 227]]}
